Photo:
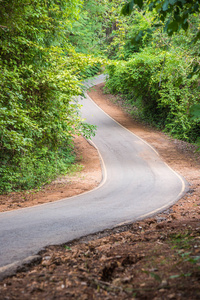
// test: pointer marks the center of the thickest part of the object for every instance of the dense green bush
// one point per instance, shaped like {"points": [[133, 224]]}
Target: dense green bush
{"points": [[40, 73], [159, 85]]}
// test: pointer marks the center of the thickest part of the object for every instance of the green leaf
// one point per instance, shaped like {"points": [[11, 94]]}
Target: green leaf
{"points": [[131, 3], [127, 8], [172, 2], [67, 247], [165, 5], [166, 26], [195, 111], [174, 276], [151, 6]]}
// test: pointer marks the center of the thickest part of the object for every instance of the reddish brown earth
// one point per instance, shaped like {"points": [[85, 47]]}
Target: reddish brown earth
{"points": [[158, 258]]}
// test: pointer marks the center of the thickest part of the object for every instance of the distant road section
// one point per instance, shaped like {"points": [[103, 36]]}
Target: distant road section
{"points": [[136, 183]]}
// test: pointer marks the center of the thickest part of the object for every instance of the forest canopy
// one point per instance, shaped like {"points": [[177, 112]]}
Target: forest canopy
{"points": [[151, 50]]}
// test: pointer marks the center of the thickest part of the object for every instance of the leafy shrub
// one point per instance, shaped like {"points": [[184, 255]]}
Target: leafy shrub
{"points": [[33, 169], [158, 83], [40, 73]]}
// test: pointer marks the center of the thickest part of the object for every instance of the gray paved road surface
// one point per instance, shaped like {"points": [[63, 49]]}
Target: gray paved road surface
{"points": [[136, 183]]}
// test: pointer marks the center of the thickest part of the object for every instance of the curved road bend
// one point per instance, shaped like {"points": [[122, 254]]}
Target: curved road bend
{"points": [[136, 184]]}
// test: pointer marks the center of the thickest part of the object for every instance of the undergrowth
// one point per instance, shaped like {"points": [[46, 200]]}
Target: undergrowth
{"points": [[159, 89], [32, 171]]}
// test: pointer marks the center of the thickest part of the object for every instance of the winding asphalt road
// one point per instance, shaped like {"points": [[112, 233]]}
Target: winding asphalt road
{"points": [[136, 183]]}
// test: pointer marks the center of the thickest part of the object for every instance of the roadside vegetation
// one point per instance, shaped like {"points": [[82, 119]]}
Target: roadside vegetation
{"points": [[157, 66], [40, 73], [151, 53]]}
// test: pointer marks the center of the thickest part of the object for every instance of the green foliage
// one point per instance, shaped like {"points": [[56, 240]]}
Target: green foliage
{"points": [[100, 30], [138, 34], [87, 30], [195, 111], [161, 81], [40, 73], [176, 12], [128, 7], [195, 115], [33, 169], [161, 90], [172, 15]]}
